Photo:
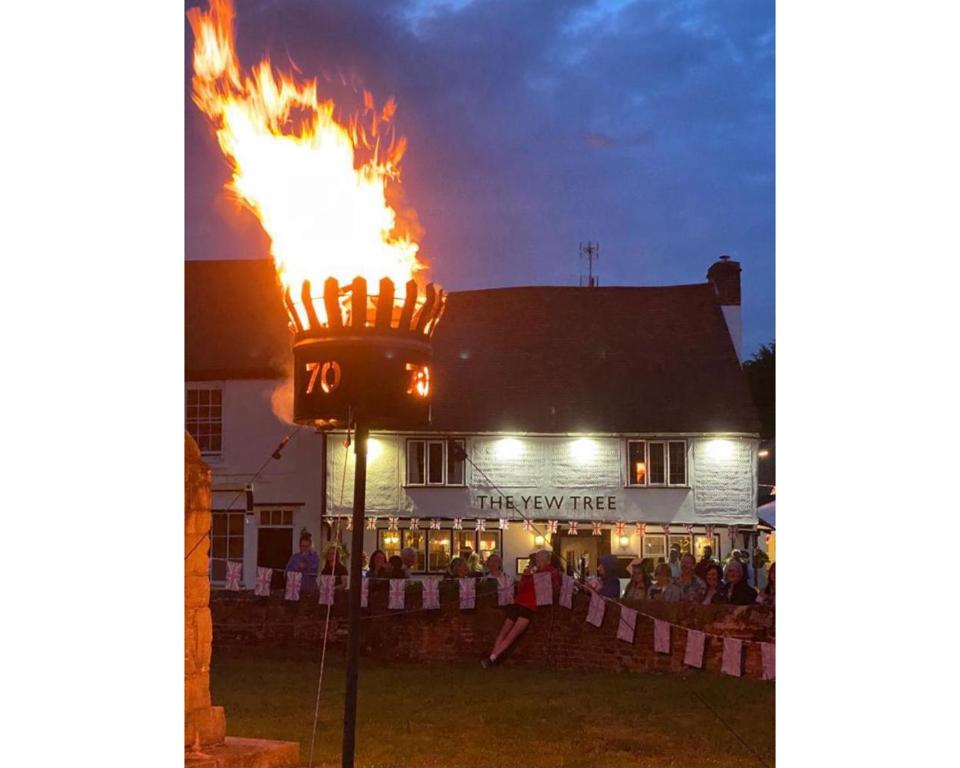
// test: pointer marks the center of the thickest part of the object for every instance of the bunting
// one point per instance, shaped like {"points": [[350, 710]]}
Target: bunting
{"points": [[504, 524], [414, 523], [264, 576], [597, 528], [397, 594], [693, 655], [572, 528], [431, 592], [768, 652], [595, 612], [619, 527], [481, 525], [732, 656], [468, 593], [292, 590], [543, 586], [365, 593], [372, 523], [552, 526], [566, 590], [326, 584], [234, 572], [504, 589], [628, 624], [661, 636]]}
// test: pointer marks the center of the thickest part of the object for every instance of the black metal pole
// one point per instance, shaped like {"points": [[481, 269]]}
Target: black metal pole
{"points": [[356, 577]]}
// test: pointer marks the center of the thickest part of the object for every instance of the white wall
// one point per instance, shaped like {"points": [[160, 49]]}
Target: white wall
{"points": [[721, 474]]}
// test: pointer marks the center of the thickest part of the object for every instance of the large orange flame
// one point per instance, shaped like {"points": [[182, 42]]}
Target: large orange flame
{"points": [[318, 186]]}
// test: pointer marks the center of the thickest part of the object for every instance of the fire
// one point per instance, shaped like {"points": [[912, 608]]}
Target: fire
{"points": [[318, 186]]}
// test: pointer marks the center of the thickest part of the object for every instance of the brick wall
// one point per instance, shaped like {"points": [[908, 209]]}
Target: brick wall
{"points": [[202, 722], [558, 637]]}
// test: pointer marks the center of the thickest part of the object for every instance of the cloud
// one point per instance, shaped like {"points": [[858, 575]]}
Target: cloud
{"points": [[648, 126]]}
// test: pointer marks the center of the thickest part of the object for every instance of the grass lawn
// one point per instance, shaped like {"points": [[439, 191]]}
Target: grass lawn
{"points": [[461, 715]]}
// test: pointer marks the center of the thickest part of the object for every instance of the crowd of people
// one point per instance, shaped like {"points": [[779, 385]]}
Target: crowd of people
{"points": [[679, 579]]}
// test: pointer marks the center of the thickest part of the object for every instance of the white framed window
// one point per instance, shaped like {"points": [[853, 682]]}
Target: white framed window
{"points": [[656, 463], [434, 462], [276, 518], [204, 416], [226, 542]]}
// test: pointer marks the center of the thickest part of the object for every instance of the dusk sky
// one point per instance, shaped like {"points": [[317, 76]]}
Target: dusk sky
{"points": [[533, 125]]}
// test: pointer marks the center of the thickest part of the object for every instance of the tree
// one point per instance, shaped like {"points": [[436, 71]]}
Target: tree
{"points": [[761, 370]]}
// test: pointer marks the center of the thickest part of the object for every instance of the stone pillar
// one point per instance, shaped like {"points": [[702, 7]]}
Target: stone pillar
{"points": [[205, 725]]}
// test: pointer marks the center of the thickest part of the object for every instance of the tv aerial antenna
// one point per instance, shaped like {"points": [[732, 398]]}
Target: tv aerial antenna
{"points": [[589, 252]]}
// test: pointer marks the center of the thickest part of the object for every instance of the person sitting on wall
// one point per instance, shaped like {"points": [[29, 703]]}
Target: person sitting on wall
{"points": [[713, 578], [639, 584], [664, 588], [674, 561], [691, 586], [306, 562], [768, 595], [705, 562], [736, 590], [609, 581], [395, 568], [524, 606], [333, 563], [409, 557], [457, 569]]}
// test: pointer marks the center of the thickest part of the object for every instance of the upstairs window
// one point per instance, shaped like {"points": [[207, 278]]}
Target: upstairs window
{"points": [[653, 463], [434, 462], [204, 417]]}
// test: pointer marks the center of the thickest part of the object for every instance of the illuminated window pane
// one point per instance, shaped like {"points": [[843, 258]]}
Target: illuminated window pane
{"points": [[681, 541], [417, 540], [636, 462], [654, 546], [657, 467], [416, 462], [440, 544], [454, 467], [389, 542], [488, 541], [678, 463], [435, 463]]}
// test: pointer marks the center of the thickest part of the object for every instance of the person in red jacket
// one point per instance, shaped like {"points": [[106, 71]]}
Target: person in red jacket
{"points": [[524, 606]]}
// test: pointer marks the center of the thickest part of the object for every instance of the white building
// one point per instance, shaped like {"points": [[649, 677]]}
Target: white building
{"points": [[615, 406]]}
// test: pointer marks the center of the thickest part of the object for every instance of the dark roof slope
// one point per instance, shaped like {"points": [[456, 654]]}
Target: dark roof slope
{"points": [[547, 359]]}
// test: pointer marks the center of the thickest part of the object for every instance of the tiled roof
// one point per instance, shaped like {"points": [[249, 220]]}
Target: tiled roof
{"points": [[539, 359]]}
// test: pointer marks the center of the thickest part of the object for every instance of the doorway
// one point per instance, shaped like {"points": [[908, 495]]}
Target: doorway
{"points": [[274, 548], [582, 553]]}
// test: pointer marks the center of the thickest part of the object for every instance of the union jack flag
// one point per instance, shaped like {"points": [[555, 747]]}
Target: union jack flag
{"points": [[572, 528], [597, 529]]}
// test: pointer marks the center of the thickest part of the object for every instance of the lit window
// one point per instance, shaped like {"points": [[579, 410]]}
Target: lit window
{"points": [[636, 462], [389, 542], [440, 544], [653, 463], [204, 417], [417, 540]]}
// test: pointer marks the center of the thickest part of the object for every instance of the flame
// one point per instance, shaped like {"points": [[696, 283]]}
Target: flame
{"points": [[318, 186]]}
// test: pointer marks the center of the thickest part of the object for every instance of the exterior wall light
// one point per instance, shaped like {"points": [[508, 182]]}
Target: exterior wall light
{"points": [[584, 450], [720, 449], [509, 448], [624, 542], [539, 540]]}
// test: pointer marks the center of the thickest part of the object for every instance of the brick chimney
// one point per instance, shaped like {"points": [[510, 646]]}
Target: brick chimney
{"points": [[724, 276]]}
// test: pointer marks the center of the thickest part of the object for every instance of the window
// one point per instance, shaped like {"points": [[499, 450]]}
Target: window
{"points": [[656, 462], [655, 546], [276, 517], [454, 465], [657, 466], [699, 542], [388, 541], [416, 462], [434, 462], [204, 417], [636, 462], [226, 542], [439, 546], [678, 462], [417, 540], [681, 541]]}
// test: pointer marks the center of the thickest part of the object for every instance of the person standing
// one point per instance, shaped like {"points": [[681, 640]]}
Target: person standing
{"points": [[674, 561], [691, 586], [409, 557], [306, 562], [736, 590], [705, 562]]}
